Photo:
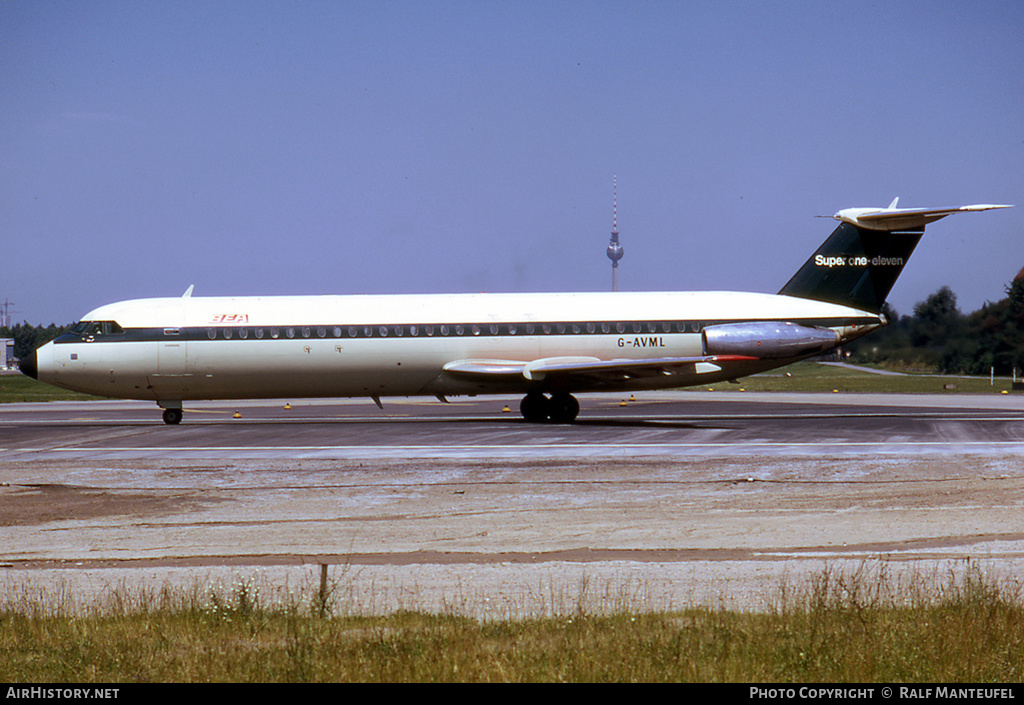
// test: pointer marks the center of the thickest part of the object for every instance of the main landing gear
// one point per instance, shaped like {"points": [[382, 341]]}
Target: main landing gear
{"points": [[558, 408]]}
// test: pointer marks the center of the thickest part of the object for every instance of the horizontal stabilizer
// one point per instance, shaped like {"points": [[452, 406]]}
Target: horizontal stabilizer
{"points": [[891, 218]]}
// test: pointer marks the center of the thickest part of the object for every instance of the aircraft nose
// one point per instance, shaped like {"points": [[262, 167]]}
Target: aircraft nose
{"points": [[30, 365]]}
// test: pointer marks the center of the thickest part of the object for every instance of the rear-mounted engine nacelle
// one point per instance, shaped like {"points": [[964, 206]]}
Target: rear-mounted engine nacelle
{"points": [[769, 340]]}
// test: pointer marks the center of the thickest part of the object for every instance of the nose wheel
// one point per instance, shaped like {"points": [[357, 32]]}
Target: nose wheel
{"points": [[558, 408], [172, 417]]}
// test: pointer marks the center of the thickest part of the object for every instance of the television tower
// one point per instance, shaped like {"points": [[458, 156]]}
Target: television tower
{"points": [[615, 250]]}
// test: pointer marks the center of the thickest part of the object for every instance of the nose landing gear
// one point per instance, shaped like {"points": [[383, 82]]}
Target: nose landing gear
{"points": [[172, 417]]}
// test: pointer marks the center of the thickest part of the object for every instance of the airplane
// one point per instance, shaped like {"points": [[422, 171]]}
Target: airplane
{"points": [[547, 347]]}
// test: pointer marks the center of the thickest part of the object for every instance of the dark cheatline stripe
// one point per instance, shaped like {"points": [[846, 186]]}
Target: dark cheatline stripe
{"points": [[349, 331]]}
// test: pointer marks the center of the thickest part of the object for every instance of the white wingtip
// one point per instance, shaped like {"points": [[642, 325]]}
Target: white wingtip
{"points": [[983, 207]]}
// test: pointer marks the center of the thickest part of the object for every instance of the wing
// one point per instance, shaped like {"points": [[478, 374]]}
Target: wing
{"points": [[590, 370]]}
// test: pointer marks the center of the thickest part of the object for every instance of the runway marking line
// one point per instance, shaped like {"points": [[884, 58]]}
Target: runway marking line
{"points": [[959, 415], [521, 446]]}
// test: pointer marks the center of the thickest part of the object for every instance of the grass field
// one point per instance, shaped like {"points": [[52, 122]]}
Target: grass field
{"points": [[860, 626], [16, 387], [815, 377]]}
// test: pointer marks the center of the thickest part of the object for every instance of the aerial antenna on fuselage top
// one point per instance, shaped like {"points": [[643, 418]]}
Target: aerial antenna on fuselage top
{"points": [[615, 250]]}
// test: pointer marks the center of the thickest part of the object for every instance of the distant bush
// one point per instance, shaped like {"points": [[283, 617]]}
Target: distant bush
{"points": [[28, 337], [939, 338]]}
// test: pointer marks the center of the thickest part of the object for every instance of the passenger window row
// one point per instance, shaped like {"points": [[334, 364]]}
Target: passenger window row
{"points": [[446, 330]]}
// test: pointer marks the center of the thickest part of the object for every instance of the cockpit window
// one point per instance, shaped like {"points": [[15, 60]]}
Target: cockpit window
{"points": [[95, 328]]}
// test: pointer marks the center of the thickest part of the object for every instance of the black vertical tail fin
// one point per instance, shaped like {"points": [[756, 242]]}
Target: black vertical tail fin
{"points": [[858, 264], [854, 267]]}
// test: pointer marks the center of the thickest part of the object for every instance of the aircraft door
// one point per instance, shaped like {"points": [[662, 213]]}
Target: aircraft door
{"points": [[171, 378], [172, 353]]}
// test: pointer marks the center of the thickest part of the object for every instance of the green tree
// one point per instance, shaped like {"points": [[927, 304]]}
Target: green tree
{"points": [[939, 336], [936, 320], [28, 337], [997, 333]]}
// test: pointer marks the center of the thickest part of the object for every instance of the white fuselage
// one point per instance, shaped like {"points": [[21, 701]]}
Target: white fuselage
{"points": [[174, 349]]}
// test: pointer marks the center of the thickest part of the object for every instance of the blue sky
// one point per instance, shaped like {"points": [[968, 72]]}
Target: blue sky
{"points": [[401, 147]]}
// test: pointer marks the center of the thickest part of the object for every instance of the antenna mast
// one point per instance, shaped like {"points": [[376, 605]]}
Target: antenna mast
{"points": [[5, 314]]}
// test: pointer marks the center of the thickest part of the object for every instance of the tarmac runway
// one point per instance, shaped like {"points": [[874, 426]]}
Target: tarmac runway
{"points": [[674, 499], [664, 423]]}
